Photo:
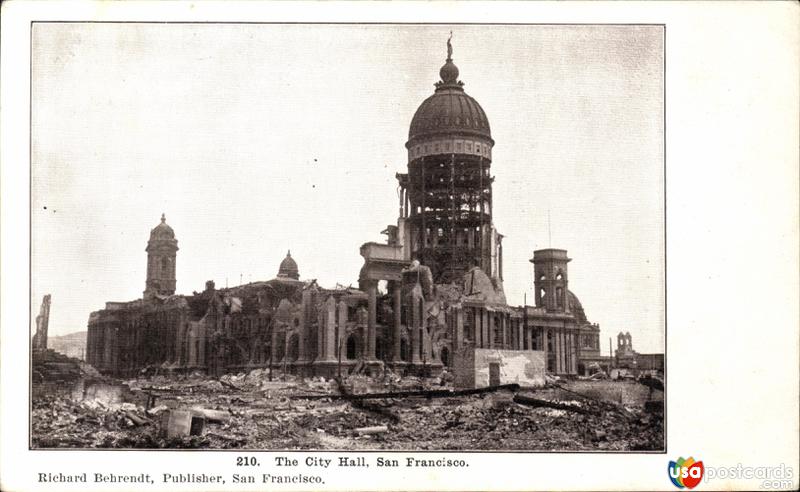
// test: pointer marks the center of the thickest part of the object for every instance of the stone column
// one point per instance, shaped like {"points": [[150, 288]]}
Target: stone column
{"points": [[489, 330], [517, 331], [321, 317], [204, 332], [330, 329], [372, 293], [302, 342], [486, 343], [521, 334], [574, 351], [567, 355], [273, 354], [397, 305], [426, 356], [477, 318], [567, 351], [545, 349], [557, 350], [416, 323], [504, 336], [458, 329], [341, 334], [554, 336]]}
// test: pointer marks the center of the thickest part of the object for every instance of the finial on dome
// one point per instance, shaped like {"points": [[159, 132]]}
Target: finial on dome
{"points": [[450, 48], [163, 218], [289, 253], [449, 71]]}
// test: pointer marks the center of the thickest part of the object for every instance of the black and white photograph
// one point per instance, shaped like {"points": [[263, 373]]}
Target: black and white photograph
{"points": [[348, 237], [269, 245]]}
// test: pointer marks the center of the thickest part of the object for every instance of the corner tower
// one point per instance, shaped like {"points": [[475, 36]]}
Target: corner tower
{"points": [[162, 249], [551, 279], [446, 196]]}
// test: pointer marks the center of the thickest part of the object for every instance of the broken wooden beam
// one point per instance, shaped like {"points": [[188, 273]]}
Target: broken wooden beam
{"points": [[513, 387], [535, 402], [376, 429], [415, 393]]}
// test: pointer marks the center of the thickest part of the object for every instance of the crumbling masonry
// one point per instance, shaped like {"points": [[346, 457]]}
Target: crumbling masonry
{"points": [[442, 264]]}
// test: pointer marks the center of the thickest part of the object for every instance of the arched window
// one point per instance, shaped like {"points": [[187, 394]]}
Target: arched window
{"points": [[164, 265], [559, 276], [559, 297]]}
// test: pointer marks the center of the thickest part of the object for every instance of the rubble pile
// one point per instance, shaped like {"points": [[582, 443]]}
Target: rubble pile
{"points": [[249, 411], [61, 422], [494, 422], [49, 365]]}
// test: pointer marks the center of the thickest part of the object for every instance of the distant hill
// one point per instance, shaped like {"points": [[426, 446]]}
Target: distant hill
{"points": [[72, 344]]}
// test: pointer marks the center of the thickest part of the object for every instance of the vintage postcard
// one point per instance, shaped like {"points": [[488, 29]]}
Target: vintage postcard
{"points": [[305, 250]]}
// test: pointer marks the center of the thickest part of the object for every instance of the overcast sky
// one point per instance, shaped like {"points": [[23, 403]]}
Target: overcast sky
{"points": [[256, 139]]}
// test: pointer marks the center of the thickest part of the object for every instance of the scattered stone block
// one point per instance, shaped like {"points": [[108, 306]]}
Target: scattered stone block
{"points": [[175, 423]]}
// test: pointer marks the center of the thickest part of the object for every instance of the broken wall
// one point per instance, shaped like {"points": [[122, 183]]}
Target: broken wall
{"points": [[479, 368]]}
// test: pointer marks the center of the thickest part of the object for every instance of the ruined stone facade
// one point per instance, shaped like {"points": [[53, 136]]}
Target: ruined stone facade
{"points": [[442, 267], [42, 323], [626, 357]]}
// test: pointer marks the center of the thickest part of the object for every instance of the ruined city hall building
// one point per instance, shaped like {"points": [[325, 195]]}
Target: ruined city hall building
{"points": [[442, 265]]}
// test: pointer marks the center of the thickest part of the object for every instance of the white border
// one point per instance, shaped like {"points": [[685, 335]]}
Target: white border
{"points": [[732, 251]]}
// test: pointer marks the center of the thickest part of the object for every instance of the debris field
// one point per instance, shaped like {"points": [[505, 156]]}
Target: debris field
{"points": [[250, 411]]}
